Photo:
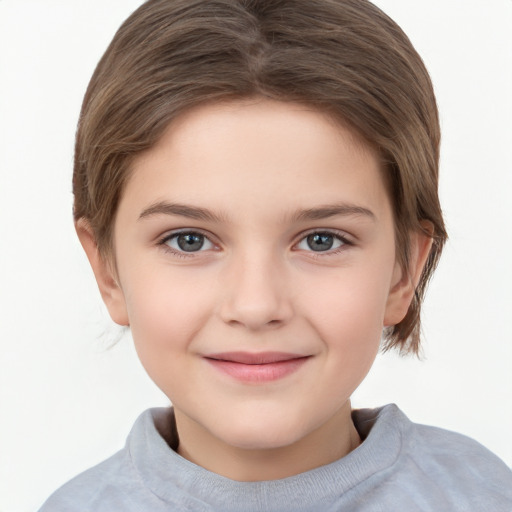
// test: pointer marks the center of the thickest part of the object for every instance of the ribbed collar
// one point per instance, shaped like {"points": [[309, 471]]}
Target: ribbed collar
{"points": [[182, 483]]}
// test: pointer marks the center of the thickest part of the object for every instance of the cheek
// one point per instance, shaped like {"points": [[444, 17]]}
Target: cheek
{"points": [[344, 312], [347, 309], [165, 312]]}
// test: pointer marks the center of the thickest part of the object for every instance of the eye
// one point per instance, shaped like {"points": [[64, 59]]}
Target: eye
{"points": [[188, 241], [321, 242]]}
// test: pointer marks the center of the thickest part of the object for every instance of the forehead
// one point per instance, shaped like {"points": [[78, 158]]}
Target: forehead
{"points": [[237, 155]]}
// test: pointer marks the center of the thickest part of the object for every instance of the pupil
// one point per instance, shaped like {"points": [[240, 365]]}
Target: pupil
{"points": [[190, 242], [320, 241]]}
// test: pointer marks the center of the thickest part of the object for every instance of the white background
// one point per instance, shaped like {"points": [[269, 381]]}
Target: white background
{"points": [[66, 402]]}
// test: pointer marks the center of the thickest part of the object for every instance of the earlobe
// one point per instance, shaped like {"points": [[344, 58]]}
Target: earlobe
{"points": [[110, 290], [404, 283]]}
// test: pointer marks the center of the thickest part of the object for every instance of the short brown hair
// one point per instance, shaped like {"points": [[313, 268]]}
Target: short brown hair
{"points": [[344, 57]]}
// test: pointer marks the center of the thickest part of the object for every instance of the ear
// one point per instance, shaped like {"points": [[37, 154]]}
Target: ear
{"points": [[110, 290], [404, 283]]}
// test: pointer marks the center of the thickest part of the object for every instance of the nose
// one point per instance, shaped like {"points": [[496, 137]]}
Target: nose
{"points": [[256, 295]]}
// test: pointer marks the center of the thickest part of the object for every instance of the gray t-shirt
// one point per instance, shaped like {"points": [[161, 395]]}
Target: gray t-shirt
{"points": [[399, 467]]}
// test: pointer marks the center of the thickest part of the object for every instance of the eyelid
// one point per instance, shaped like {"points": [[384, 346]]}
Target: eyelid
{"points": [[164, 239], [343, 236]]}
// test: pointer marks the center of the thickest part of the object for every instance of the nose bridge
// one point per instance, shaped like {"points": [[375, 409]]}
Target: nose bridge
{"points": [[256, 293]]}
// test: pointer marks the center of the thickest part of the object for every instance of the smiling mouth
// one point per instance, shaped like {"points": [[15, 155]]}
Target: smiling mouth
{"points": [[256, 367]]}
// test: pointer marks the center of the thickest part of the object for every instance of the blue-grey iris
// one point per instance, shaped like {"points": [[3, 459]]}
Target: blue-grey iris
{"points": [[190, 242], [320, 241]]}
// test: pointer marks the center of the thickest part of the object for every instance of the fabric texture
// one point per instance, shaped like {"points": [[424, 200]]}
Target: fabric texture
{"points": [[400, 466]]}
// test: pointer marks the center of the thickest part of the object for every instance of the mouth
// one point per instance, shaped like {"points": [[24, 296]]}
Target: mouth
{"points": [[256, 367]]}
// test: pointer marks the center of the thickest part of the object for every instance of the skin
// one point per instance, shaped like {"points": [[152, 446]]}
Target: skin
{"points": [[256, 284]]}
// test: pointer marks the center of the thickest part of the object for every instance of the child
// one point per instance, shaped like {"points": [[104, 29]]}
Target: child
{"points": [[256, 190]]}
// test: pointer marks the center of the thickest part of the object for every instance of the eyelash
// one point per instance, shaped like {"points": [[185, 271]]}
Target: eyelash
{"points": [[163, 242], [337, 235], [341, 237]]}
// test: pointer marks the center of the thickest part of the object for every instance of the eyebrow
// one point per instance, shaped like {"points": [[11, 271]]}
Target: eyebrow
{"points": [[198, 213], [181, 210], [334, 210]]}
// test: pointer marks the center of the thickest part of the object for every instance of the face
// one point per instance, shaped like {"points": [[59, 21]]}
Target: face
{"points": [[256, 267]]}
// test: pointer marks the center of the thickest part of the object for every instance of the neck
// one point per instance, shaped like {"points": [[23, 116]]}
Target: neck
{"points": [[328, 443]]}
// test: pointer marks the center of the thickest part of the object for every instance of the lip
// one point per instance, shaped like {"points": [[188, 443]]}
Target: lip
{"points": [[256, 367]]}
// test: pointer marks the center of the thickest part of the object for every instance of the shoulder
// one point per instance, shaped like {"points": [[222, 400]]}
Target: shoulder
{"points": [[92, 488], [452, 451], [114, 484], [457, 469]]}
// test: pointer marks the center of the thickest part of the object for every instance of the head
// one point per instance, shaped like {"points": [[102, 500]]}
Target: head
{"points": [[344, 58], [260, 176]]}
